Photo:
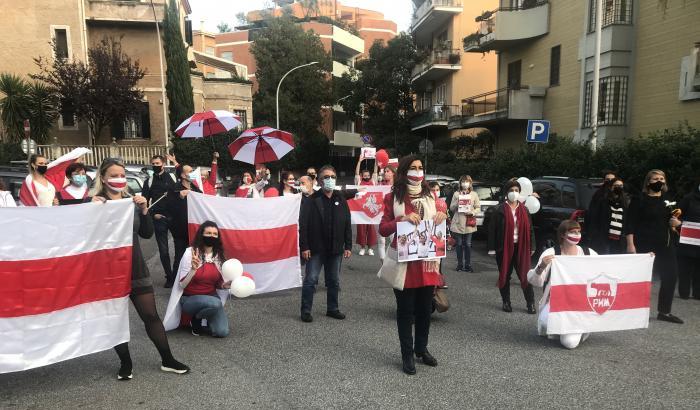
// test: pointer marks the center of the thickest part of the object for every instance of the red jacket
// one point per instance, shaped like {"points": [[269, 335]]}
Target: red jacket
{"points": [[209, 187]]}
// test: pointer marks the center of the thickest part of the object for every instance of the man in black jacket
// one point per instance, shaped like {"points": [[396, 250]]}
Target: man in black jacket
{"points": [[325, 237], [153, 189]]}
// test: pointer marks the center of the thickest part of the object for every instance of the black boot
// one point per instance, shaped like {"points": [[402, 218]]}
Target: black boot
{"points": [[507, 307], [409, 364]]}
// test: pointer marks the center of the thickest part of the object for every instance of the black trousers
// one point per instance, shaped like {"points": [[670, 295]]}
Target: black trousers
{"points": [[528, 292], [181, 244], [410, 303], [666, 268], [160, 226], [688, 277]]}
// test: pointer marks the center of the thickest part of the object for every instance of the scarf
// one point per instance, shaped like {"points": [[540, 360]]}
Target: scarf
{"points": [[522, 265]]}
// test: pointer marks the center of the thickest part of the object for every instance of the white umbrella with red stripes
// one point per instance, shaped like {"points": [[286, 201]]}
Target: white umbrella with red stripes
{"points": [[261, 145], [207, 123]]}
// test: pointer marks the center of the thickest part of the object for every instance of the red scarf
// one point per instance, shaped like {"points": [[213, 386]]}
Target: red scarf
{"points": [[522, 265]]}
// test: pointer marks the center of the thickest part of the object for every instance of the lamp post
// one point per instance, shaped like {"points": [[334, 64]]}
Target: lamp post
{"points": [[162, 76], [596, 73], [277, 97]]}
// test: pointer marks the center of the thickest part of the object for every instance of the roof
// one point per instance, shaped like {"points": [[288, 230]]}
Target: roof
{"points": [[216, 62], [187, 6]]}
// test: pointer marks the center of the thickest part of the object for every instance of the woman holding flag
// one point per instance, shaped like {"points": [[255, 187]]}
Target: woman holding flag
{"points": [[110, 184]]}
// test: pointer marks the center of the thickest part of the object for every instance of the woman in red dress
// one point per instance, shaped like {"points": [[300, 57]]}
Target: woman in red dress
{"points": [[411, 201]]}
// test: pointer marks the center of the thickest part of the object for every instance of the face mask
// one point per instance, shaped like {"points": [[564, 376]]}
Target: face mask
{"points": [[656, 186], [291, 183], [617, 190], [116, 184], [79, 180], [513, 196], [312, 176], [415, 177], [366, 178], [210, 240], [573, 238], [247, 180], [329, 184], [193, 176], [157, 169], [42, 169], [465, 185]]}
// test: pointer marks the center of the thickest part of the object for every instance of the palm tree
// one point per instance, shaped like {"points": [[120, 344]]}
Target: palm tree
{"points": [[14, 106], [43, 106]]}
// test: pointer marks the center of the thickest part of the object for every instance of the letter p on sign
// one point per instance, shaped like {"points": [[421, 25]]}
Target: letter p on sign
{"points": [[537, 131]]}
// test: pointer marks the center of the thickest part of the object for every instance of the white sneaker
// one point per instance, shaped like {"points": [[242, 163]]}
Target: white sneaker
{"points": [[370, 252], [362, 252]]}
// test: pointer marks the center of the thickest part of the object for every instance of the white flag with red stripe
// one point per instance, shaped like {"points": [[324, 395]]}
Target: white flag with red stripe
{"points": [[599, 293], [367, 207], [690, 233], [262, 233], [65, 278]]}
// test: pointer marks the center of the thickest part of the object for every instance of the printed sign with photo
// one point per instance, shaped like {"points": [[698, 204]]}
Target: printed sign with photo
{"points": [[420, 242], [369, 152], [465, 204]]}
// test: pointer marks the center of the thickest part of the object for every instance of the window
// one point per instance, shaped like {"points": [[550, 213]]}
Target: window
{"points": [[61, 36], [612, 102], [441, 94], [136, 126], [227, 55], [554, 65], [549, 194], [514, 74], [66, 118], [243, 115], [614, 12], [188, 32], [209, 50], [568, 196]]}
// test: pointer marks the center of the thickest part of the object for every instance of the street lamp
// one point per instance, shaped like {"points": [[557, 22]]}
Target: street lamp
{"points": [[162, 75], [277, 97]]}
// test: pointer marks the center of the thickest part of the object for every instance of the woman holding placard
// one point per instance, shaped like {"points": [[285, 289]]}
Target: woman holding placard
{"points": [[464, 206], [414, 282]]}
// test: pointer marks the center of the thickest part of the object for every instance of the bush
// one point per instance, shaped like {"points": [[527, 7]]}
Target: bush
{"points": [[11, 151]]}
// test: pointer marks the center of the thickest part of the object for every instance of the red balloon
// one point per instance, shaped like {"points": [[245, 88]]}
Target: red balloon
{"points": [[249, 276], [382, 158]]}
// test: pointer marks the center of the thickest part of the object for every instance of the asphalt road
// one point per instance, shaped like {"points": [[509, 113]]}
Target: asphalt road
{"points": [[487, 358]]}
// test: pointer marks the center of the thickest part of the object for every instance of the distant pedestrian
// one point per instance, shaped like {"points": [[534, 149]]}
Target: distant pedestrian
{"points": [[464, 221], [325, 238], [689, 255], [606, 220], [366, 234], [649, 229], [76, 190]]}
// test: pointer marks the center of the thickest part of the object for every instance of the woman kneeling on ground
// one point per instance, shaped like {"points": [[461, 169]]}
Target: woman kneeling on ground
{"points": [[569, 235], [200, 290]]}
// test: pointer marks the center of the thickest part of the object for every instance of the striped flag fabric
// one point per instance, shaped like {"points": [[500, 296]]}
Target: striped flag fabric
{"points": [[367, 207], [55, 174], [690, 233], [262, 233], [65, 278], [599, 293]]}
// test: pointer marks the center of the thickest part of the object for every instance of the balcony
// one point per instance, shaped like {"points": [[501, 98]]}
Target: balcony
{"points": [[438, 65], [432, 15], [524, 103], [123, 11], [339, 69], [509, 26], [346, 43], [434, 116]]}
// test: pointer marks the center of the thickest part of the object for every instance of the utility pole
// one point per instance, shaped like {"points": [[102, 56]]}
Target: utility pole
{"points": [[596, 73], [166, 123]]}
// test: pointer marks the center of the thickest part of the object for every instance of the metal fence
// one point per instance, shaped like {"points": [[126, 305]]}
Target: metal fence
{"points": [[486, 103], [130, 154], [614, 12], [434, 113]]}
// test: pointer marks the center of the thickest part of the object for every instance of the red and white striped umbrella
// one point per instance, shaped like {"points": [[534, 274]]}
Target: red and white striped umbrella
{"points": [[207, 123], [261, 145]]}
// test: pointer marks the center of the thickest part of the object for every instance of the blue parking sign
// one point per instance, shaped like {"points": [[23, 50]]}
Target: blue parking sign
{"points": [[537, 131]]}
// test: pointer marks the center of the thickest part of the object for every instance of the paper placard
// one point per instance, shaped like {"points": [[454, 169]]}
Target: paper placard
{"points": [[465, 204], [420, 242], [369, 152]]}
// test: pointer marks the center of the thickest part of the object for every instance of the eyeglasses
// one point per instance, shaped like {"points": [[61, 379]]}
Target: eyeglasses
{"points": [[329, 177]]}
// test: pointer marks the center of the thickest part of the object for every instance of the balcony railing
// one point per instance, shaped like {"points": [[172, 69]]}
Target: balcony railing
{"points": [[614, 12], [486, 103], [428, 6], [508, 25], [432, 114], [503, 104], [130, 154], [126, 11], [446, 57]]}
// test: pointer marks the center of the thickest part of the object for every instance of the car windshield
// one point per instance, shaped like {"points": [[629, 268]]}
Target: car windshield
{"points": [[586, 190], [486, 193]]}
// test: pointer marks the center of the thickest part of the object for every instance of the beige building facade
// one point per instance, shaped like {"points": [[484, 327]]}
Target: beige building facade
{"points": [[649, 77]]}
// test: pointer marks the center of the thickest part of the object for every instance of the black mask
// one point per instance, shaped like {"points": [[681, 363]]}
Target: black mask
{"points": [[157, 169], [617, 190], [366, 178], [312, 176], [656, 186], [210, 240], [42, 169]]}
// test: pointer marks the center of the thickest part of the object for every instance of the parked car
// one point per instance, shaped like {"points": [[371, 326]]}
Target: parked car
{"points": [[489, 197], [442, 180]]}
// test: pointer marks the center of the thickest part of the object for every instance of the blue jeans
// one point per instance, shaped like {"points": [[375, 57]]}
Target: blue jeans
{"points": [[463, 246], [331, 269], [207, 307]]}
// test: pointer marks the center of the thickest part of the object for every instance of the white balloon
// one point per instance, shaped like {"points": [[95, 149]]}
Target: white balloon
{"points": [[242, 287], [532, 204], [525, 186], [231, 269], [522, 198]]}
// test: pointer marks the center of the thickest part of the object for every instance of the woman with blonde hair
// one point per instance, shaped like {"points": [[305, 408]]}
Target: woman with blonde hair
{"points": [[648, 228], [464, 206], [110, 184]]}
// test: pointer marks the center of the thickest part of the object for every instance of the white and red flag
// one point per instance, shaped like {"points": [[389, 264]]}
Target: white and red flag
{"points": [[65, 278], [690, 233], [367, 207], [55, 174], [262, 233], [599, 293]]}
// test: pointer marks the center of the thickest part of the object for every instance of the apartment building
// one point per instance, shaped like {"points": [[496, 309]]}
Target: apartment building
{"points": [[78, 25], [649, 75], [447, 74]]}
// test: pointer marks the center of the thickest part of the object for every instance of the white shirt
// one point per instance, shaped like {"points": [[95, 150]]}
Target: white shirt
{"points": [[515, 223], [45, 194], [6, 200]]}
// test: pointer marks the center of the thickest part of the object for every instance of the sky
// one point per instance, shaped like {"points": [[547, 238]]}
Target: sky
{"points": [[215, 11]]}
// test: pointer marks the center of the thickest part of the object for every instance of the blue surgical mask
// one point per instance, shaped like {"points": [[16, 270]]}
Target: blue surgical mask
{"points": [[193, 176], [329, 184], [79, 180]]}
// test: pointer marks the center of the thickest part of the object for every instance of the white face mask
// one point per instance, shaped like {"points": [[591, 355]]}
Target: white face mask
{"points": [[465, 185], [573, 238], [415, 177], [513, 196]]}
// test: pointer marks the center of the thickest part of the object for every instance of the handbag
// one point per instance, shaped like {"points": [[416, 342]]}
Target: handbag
{"points": [[440, 301], [471, 221], [391, 271]]}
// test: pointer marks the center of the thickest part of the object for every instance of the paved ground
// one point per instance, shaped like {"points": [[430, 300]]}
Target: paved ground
{"points": [[487, 358]]}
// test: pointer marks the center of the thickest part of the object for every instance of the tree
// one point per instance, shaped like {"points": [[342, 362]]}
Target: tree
{"points": [[13, 107], [310, 8], [179, 83], [223, 27], [43, 106], [241, 18], [281, 46], [100, 93], [380, 90]]}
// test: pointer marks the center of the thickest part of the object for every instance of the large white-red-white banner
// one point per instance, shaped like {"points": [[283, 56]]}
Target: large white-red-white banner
{"points": [[262, 233], [65, 277], [367, 207], [599, 293], [690, 233]]}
